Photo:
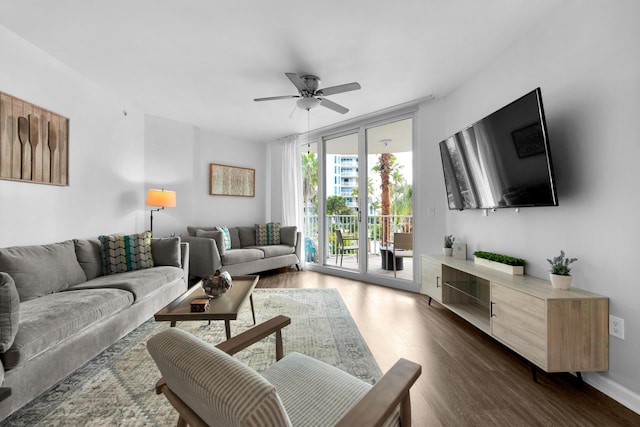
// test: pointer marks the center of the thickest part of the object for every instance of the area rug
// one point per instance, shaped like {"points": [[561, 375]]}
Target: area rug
{"points": [[117, 387]]}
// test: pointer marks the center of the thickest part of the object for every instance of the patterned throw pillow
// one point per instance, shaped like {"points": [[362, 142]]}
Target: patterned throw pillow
{"points": [[125, 253], [268, 234], [226, 236]]}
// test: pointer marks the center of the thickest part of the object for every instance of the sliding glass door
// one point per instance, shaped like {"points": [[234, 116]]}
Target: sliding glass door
{"points": [[358, 195]]}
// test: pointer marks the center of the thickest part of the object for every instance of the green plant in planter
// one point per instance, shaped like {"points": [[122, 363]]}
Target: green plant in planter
{"points": [[560, 264], [503, 259], [448, 241]]}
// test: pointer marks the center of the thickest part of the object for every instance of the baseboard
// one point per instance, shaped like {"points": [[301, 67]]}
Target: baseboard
{"points": [[614, 390]]}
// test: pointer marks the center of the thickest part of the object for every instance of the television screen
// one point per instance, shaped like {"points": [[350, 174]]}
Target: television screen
{"points": [[502, 160]]}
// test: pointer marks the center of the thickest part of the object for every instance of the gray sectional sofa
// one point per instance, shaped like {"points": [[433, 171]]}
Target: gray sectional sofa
{"points": [[208, 253], [58, 310]]}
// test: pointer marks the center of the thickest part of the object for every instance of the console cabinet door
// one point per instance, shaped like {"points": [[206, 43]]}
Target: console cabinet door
{"points": [[431, 278], [518, 320]]}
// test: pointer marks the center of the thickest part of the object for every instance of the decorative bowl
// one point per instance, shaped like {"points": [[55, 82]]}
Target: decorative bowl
{"points": [[216, 285]]}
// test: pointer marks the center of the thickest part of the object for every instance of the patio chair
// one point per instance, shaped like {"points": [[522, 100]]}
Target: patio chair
{"points": [[402, 247], [209, 387], [342, 246]]}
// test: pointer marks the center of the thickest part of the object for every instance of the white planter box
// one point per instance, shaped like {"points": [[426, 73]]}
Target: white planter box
{"points": [[510, 269]]}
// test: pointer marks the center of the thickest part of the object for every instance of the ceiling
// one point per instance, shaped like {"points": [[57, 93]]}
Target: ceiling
{"points": [[202, 62]]}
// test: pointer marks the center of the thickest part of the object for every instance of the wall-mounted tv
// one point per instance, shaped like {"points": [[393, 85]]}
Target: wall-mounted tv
{"points": [[501, 161]]}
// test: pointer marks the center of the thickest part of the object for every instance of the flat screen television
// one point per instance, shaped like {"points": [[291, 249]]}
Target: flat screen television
{"points": [[501, 161]]}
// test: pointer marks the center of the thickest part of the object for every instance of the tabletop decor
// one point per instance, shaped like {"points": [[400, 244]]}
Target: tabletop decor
{"points": [[216, 284]]}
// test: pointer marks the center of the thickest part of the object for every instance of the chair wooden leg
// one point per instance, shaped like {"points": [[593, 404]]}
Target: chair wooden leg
{"points": [[182, 422]]}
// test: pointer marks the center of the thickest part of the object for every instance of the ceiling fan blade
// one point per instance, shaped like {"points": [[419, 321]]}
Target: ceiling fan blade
{"points": [[297, 81], [332, 90], [333, 106], [271, 98]]}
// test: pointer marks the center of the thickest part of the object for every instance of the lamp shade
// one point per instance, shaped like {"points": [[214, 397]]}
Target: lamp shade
{"points": [[162, 198]]}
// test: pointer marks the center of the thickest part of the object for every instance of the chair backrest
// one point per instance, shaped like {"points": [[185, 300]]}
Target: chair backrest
{"points": [[403, 241], [221, 390], [339, 236]]}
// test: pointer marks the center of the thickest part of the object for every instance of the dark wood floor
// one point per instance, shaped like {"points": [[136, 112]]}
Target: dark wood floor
{"points": [[468, 379]]}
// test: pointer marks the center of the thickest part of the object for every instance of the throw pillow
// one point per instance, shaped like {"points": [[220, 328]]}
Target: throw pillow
{"points": [[216, 235], [166, 251], [89, 257], [42, 269], [126, 253], [268, 234], [226, 235], [9, 311]]}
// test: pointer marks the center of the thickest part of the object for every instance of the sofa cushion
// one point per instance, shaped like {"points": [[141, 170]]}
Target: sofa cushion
{"points": [[235, 237], [215, 235], [141, 283], [122, 253], [237, 256], [43, 269], [191, 229], [268, 234], [51, 319], [9, 311], [247, 236], [226, 236], [288, 235], [271, 251], [166, 251], [89, 257]]}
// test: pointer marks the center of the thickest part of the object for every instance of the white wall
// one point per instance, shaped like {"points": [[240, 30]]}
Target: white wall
{"points": [[586, 59], [106, 155], [178, 157]]}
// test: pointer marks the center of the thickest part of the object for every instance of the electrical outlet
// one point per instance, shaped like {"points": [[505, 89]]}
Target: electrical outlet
{"points": [[616, 326]]}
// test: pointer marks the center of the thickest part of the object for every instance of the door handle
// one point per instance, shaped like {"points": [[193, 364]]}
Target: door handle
{"points": [[437, 281], [491, 309]]}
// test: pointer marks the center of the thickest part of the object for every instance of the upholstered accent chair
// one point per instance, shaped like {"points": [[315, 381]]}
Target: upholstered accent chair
{"points": [[207, 386]]}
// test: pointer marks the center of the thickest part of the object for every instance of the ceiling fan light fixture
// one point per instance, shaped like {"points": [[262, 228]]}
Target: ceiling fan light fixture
{"points": [[308, 103]]}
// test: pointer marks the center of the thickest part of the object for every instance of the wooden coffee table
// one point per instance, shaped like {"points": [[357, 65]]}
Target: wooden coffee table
{"points": [[224, 308]]}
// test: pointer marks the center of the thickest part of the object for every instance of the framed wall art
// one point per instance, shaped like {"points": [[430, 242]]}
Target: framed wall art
{"points": [[231, 181], [34, 143]]}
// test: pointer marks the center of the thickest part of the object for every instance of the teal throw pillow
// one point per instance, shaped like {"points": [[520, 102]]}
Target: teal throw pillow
{"points": [[121, 253], [226, 236], [268, 234]]}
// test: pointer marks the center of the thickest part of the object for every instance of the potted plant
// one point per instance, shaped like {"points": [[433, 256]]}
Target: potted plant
{"points": [[504, 263], [448, 245], [560, 277]]}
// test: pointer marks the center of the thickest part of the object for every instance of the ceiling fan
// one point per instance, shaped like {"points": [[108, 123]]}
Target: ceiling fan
{"points": [[310, 96]]}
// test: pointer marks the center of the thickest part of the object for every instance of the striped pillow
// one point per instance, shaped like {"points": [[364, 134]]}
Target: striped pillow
{"points": [[268, 234], [122, 253], [226, 236]]}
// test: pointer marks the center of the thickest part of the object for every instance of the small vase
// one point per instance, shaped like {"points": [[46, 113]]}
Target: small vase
{"points": [[447, 251], [559, 281]]}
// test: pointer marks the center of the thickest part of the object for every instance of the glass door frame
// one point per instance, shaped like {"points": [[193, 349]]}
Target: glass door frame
{"points": [[360, 126]]}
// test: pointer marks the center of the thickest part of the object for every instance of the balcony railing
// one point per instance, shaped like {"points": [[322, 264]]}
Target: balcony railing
{"points": [[349, 223]]}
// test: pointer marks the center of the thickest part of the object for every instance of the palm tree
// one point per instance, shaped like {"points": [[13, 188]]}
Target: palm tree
{"points": [[384, 167]]}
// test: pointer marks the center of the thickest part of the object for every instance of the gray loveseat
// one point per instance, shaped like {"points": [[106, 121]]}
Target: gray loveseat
{"points": [[58, 310], [208, 253]]}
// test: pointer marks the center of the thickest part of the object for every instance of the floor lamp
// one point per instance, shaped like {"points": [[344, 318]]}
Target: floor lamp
{"points": [[162, 199]]}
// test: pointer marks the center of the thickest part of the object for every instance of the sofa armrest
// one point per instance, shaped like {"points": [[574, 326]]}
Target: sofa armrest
{"points": [[299, 245], [204, 258], [184, 255]]}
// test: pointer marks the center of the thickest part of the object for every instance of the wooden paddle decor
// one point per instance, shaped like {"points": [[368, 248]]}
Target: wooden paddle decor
{"points": [[33, 143]]}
